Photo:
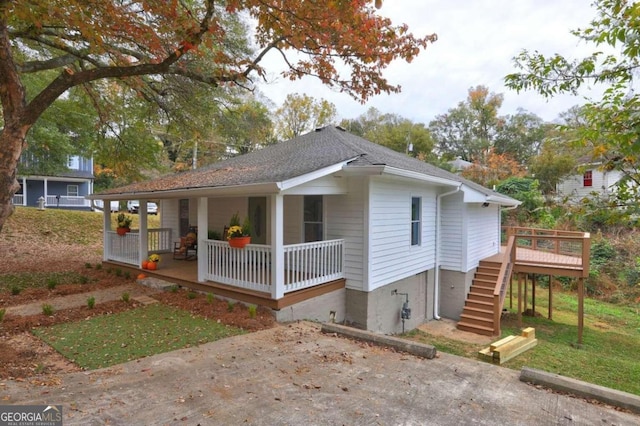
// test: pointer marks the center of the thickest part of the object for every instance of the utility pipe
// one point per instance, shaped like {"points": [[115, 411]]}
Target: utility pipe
{"points": [[436, 291]]}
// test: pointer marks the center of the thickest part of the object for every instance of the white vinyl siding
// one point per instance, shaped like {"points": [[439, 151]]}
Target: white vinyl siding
{"points": [[322, 186], [483, 235], [345, 220], [451, 230], [392, 257], [603, 183]]}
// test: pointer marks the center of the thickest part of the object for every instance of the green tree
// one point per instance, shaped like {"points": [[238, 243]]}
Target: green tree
{"points": [[245, 127], [302, 113], [610, 129], [521, 135], [468, 130], [142, 44]]}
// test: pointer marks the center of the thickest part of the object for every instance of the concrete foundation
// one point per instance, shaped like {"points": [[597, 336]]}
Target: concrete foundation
{"points": [[454, 287], [380, 310], [317, 309]]}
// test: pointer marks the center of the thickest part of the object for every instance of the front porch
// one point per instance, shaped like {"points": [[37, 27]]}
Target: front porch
{"points": [[247, 274]]}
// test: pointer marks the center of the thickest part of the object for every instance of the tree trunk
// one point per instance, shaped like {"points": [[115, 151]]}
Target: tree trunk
{"points": [[11, 143]]}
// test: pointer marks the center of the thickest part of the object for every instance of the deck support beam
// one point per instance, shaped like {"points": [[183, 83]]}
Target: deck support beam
{"points": [[580, 309]]}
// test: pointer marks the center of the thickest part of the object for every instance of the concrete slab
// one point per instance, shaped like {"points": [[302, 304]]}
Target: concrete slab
{"points": [[294, 375]]}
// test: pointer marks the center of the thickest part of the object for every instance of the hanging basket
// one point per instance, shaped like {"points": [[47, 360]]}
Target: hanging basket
{"points": [[239, 242]]}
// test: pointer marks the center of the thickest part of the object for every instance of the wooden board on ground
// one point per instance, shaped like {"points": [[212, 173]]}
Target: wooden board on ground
{"points": [[509, 347]]}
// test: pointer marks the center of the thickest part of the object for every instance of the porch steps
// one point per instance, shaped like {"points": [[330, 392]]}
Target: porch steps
{"points": [[477, 315]]}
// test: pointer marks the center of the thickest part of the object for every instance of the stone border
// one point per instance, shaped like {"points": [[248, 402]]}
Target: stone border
{"points": [[413, 348], [583, 389]]}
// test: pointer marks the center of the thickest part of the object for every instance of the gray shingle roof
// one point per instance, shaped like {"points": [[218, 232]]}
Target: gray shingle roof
{"points": [[304, 154]]}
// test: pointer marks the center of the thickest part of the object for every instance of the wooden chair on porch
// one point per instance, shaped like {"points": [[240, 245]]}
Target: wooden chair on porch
{"points": [[187, 247]]}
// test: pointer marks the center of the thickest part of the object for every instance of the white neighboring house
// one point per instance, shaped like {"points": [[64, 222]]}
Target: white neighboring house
{"points": [[593, 179], [343, 229]]}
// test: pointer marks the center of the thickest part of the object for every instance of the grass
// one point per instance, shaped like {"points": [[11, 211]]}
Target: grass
{"points": [[113, 339], [609, 353], [39, 280]]}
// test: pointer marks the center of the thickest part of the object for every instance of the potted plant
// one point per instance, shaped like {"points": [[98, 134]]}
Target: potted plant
{"points": [[239, 236], [124, 224]]}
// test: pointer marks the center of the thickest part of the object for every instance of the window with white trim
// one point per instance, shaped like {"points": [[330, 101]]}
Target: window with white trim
{"points": [[587, 178], [72, 190], [313, 223], [416, 222], [73, 162]]}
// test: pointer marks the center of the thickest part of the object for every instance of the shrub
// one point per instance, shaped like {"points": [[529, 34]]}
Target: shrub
{"points": [[126, 297], [210, 298], [88, 265], [191, 295], [15, 289], [253, 311], [91, 302], [3, 311], [47, 309], [230, 306], [98, 266], [118, 272], [127, 275], [52, 283], [84, 279], [173, 289]]}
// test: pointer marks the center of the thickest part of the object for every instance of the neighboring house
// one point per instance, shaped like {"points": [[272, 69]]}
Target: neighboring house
{"points": [[458, 165], [65, 189], [344, 230], [593, 179]]}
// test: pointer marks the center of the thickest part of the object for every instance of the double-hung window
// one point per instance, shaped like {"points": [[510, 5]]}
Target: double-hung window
{"points": [[72, 190], [587, 178], [416, 225], [313, 224]]}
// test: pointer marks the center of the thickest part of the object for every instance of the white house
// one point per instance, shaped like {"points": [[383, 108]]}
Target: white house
{"points": [[593, 179], [343, 229]]}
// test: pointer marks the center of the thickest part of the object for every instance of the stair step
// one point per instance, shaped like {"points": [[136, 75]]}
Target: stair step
{"points": [[473, 295], [478, 312], [482, 289], [479, 304], [488, 270], [486, 277], [488, 264], [485, 331]]}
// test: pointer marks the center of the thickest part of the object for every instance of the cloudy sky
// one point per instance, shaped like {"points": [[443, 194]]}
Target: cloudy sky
{"points": [[477, 40]]}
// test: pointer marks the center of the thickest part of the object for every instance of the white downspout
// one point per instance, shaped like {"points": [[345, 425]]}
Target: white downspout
{"points": [[436, 291]]}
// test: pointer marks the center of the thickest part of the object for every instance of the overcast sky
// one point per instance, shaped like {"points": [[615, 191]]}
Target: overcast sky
{"points": [[477, 40]]}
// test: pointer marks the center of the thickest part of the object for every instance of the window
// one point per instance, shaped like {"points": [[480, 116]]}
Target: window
{"points": [[73, 162], [313, 227], [587, 178], [72, 190], [415, 221]]}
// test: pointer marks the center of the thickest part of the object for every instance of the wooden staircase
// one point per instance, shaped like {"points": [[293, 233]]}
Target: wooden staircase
{"points": [[478, 313]]}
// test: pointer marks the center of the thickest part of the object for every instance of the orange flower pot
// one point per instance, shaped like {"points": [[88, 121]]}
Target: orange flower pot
{"points": [[239, 242]]}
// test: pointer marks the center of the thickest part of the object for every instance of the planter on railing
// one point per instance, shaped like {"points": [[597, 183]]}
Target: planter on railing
{"points": [[239, 242]]}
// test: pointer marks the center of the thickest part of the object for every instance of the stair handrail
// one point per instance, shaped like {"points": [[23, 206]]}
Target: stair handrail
{"points": [[500, 290]]}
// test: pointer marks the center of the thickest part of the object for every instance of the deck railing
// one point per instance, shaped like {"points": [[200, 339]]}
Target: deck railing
{"points": [[123, 248], [67, 201], [249, 267], [310, 264], [159, 240], [564, 248], [305, 265], [18, 199], [504, 277]]}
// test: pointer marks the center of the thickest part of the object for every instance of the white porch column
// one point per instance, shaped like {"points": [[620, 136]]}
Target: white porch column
{"points": [[143, 231], [203, 232], [46, 191], [106, 226], [277, 246], [24, 191]]}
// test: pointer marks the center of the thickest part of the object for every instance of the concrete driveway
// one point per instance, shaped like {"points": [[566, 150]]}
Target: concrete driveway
{"points": [[295, 375]]}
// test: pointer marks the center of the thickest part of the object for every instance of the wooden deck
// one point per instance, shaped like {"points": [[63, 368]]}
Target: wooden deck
{"points": [[544, 263], [185, 274]]}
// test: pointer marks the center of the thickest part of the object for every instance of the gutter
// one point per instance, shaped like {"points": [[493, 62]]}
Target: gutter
{"points": [[436, 289]]}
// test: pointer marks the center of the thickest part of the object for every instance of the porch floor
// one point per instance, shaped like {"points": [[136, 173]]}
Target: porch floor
{"points": [[541, 262], [185, 273]]}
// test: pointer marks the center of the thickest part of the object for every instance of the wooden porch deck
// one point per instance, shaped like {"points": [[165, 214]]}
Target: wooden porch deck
{"points": [[184, 273], [544, 263]]}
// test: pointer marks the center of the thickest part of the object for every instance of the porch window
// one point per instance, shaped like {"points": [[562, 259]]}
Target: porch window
{"points": [[587, 178], [313, 226], [415, 221], [72, 190]]}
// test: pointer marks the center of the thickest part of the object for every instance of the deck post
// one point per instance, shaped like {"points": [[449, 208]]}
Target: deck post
{"points": [[580, 309], [203, 233], [533, 295], [526, 292], [550, 298], [143, 250], [519, 300], [277, 246], [106, 226]]}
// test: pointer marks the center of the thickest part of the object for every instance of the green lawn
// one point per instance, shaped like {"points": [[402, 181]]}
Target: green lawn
{"points": [[113, 339], [609, 356]]}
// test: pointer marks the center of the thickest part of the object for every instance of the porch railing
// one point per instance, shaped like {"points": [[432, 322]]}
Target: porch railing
{"points": [[504, 278], [248, 268], [123, 248], [18, 199], [309, 264], [552, 247], [159, 240], [68, 201], [305, 265]]}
